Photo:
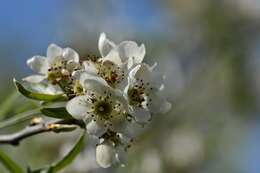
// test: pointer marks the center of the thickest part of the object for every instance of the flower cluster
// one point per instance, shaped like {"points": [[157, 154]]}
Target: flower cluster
{"points": [[109, 94]]}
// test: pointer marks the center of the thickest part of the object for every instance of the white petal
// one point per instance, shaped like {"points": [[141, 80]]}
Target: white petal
{"points": [[93, 82], [133, 72], [76, 74], [112, 56], [105, 155], [78, 107], [105, 45], [119, 125], [130, 49], [34, 78], [130, 63], [54, 51], [53, 89], [125, 138], [121, 155], [142, 71], [70, 54], [39, 64], [96, 129], [158, 105], [141, 115], [35, 87], [72, 65], [90, 67], [119, 95]]}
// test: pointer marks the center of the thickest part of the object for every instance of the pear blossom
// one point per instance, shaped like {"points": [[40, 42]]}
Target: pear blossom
{"points": [[100, 107], [143, 93], [113, 74], [115, 61], [107, 93], [126, 52], [57, 65]]}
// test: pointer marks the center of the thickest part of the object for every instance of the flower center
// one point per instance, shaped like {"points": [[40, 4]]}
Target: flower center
{"points": [[77, 88], [58, 71], [139, 92], [103, 109], [110, 72], [61, 70], [112, 137], [136, 96]]}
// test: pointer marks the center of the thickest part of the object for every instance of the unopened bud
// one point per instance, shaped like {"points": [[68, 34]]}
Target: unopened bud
{"points": [[36, 121], [105, 155]]}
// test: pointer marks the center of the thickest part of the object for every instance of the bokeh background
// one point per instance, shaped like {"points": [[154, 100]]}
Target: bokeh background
{"points": [[208, 49]]}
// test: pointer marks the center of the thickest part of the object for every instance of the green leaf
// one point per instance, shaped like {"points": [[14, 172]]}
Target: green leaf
{"points": [[69, 157], [59, 113], [39, 96], [42, 170], [18, 118], [7, 104], [10, 164]]}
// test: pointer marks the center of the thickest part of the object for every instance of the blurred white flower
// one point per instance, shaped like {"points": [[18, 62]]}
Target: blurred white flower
{"points": [[151, 162], [249, 8], [59, 64], [143, 93], [184, 148]]}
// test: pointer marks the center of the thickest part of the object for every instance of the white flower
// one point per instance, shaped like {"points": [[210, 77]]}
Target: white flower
{"points": [[59, 63], [115, 61], [112, 148], [143, 93], [113, 74], [127, 52], [101, 107]]}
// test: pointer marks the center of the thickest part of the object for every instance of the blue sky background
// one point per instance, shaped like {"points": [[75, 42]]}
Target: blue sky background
{"points": [[29, 26]]}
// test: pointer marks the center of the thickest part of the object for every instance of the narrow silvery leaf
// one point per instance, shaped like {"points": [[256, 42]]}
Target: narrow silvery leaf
{"points": [[10, 164], [59, 113], [38, 96], [68, 159], [7, 104]]}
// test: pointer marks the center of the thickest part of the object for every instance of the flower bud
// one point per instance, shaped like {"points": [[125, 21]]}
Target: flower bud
{"points": [[105, 155]]}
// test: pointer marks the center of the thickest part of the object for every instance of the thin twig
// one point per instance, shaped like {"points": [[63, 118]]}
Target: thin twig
{"points": [[31, 130]]}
